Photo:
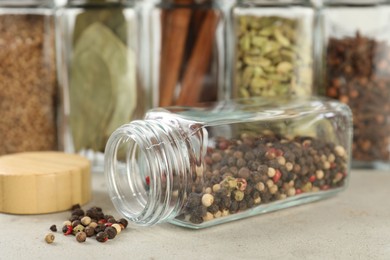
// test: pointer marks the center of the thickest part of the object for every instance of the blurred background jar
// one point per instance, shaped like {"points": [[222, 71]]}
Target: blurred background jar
{"points": [[27, 77], [98, 75], [273, 48], [356, 71], [187, 51]]}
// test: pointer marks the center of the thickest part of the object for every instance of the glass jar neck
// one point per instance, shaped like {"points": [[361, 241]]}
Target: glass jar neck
{"points": [[148, 170]]}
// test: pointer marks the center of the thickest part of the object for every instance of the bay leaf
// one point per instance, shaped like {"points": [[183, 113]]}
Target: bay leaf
{"points": [[121, 93], [112, 17], [90, 100]]}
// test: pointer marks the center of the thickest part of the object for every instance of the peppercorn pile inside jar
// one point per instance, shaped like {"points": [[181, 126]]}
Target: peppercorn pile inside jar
{"points": [[247, 172]]}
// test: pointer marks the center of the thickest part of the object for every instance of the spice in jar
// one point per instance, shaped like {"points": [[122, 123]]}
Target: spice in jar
{"points": [[358, 74], [273, 58], [27, 83], [190, 52], [101, 74], [263, 176]]}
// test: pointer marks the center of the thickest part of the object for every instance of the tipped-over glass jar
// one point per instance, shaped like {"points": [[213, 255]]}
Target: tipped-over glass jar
{"points": [[198, 167]]}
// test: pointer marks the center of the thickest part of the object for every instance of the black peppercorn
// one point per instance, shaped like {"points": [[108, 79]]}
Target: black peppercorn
{"points": [[53, 228], [99, 228], [111, 232], [78, 212], [124, 222], [73, 218], [196, 219], [111, 220], [76, 206], [102, 236]]}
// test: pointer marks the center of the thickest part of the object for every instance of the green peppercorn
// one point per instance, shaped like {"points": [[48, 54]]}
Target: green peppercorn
{"points": [[49, 238], [81, 237], [102, 236], [77, 229]]}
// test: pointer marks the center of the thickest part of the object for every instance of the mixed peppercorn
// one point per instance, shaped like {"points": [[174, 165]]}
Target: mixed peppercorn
{"points": [[93, 222], [249, 171]]}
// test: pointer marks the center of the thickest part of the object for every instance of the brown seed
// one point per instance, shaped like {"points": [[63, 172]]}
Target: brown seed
{"points": [[81, 237], [89, 231], [49, 238]]}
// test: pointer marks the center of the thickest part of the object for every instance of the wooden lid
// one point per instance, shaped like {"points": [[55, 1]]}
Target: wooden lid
{"points": [[43, 182]]}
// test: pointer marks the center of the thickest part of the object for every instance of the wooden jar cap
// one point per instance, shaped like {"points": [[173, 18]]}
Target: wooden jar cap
{"points": [[43, 182]]}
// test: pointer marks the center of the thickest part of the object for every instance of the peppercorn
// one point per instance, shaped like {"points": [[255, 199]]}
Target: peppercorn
{"points": [[207, 200], [49, 238], [76, 223], [85, 220], [78, 212], [81, 237], [117, 227], [111, 232], [93, 224], [99, 228], [78, 229], [124, 222], [111, 220], [53, 228], [102, 236], [89, 231], [67, 230], [196, 219]]}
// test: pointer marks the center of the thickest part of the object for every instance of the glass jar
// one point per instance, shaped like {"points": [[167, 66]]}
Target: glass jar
{"points": [[98, 44], [356, 71], [187, 52], [28, 83], [273, 48], [198, 167]]}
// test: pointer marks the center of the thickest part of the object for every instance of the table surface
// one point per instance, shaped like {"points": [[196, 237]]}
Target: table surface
{"points": [[355, 224]]}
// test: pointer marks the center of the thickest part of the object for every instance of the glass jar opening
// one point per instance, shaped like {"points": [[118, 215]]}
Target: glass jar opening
{"points": [[127, 176]]}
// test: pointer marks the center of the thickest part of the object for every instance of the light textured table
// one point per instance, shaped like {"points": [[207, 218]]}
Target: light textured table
{"points": [[353, 225]]}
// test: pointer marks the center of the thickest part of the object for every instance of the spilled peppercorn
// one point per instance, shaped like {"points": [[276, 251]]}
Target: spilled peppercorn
{"points": [[86, 224]]}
